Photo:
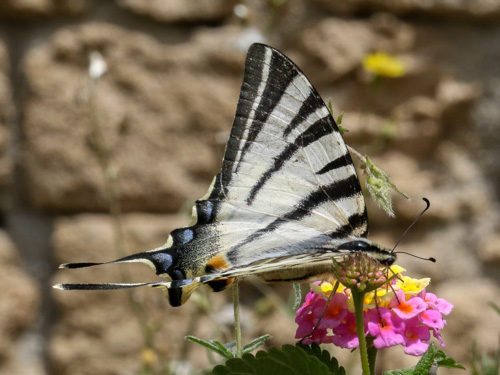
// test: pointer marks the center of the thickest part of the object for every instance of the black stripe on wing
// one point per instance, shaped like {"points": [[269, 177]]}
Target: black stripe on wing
{"points": [[335, 191], [308, 107], [358, 225], [340, 162], [316, 131], [264, 66], [281, 74]]}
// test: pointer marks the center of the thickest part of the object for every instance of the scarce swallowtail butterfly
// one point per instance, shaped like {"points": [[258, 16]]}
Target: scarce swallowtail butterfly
{"points": [[287, 199]]}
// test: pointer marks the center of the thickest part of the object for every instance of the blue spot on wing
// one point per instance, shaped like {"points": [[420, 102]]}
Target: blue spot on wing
{"points": [[162, 262], [182, 236]]}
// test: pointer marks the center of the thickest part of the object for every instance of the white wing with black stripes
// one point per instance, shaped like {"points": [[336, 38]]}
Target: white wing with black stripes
{"points": [[286, 201]]}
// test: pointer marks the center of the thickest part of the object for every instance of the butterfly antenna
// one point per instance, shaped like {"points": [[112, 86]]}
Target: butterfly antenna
{"points": [[428, 204]]}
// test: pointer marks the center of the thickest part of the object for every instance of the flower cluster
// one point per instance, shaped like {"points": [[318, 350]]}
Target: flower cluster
{"points": [[402, 313], [383, 65]]}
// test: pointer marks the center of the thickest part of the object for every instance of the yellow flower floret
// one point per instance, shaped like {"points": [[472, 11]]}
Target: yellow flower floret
{"points": [[326, 288], [384, 294], [383, 65], [395, 269], [412, 286]]}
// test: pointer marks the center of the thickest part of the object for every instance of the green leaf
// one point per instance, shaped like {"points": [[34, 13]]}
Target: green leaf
{"points": [[339, 121], [406, 371], [289, 360], [215, 346], [378, 183], [484, 363], [423, 366], [339, 118], [445, 361], [343, 129], [297, 289], [428, 364], [324, 356], [254, 344]]}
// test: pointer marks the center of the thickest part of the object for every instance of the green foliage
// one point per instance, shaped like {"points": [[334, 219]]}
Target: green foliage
{"points": [[297, 296], [495, 307], [216, 346], [484, 363], [254, 344], [429, 363], [289, 360], [378, 183], [339, 119], [225, 350]]}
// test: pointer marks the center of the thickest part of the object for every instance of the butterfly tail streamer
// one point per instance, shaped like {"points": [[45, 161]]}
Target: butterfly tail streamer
{"points": [[144, 257], [177, 291], [110, 286]]}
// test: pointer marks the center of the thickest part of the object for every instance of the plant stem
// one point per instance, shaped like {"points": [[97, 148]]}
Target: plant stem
{"points": [[237, 325], [358, 298], [372, 355], [112, 194]]}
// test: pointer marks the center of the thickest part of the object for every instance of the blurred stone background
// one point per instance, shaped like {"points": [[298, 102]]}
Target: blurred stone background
{"points": [[162, 113]]}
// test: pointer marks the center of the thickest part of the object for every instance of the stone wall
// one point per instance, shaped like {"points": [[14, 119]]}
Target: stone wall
{"points": [[149, 136]]}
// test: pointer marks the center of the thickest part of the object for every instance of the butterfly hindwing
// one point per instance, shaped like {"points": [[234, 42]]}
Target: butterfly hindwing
{"points": [[286, 201]]}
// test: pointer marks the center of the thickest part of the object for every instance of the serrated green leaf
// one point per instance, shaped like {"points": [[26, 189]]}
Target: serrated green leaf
{"points": [[424, 365], [289, 360], [254, 344], [324, 356], [406, 371]]}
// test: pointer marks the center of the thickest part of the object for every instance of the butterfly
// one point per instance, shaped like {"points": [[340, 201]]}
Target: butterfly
{"points": [[286, 201]]}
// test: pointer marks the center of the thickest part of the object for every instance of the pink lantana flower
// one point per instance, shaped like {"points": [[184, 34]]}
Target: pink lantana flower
{"points": [[386, 327], [416, 337], [345, 334], [398, 311], [407, 309]]}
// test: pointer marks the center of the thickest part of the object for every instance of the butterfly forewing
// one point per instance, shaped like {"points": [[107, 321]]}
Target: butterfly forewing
{"points": [[286, 168]]}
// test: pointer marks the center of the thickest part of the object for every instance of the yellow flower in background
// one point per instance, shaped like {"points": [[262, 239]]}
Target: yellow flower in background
{"points": [[383, 65], [149, 356]]}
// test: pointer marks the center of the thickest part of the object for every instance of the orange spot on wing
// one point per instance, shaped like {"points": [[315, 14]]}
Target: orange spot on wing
{"points": [[218, 262]]}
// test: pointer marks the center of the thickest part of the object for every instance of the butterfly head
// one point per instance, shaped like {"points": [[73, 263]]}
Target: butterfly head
{"points": [[385, 257]]}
